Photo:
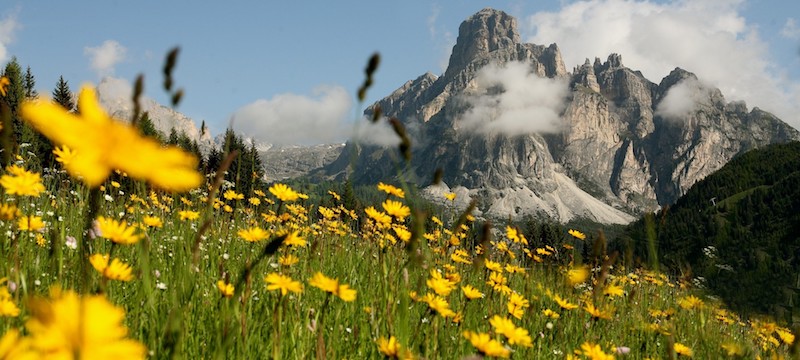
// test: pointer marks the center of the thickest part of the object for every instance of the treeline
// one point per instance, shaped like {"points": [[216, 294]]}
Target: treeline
{"points": [[245, 170], [736, 232]]}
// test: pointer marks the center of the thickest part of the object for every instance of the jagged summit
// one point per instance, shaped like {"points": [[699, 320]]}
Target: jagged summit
{"points": [[622, 145]]}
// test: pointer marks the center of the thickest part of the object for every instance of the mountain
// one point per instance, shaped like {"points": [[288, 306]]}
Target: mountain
{"points": [[281, 163], [115, 96], [737, 229], [511, 127]]}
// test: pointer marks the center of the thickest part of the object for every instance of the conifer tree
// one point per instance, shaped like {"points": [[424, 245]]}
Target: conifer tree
{"points": [[148, 128], [30, 85], [62, 95]]}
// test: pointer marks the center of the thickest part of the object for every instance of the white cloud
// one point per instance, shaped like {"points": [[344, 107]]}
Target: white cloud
{"points": [[682, 99], [379, 133], [790, 29], [105, 57], [512, 100], [291, 119], [707, 37], [7, 28]]}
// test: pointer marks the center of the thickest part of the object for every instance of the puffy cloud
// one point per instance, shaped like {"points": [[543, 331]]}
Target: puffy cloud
{"points": [[707, 37], [105, 57], [379, 133], [291, 119], [790, 29], [7, 28], [682, 99], [510, 99]]}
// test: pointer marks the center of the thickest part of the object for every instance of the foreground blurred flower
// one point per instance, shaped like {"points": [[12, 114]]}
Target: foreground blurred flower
{"points": [[104, 144], [68, 326], [283, 283], [64, 154], [7, 307], [682, 350], [117, 231], [390, 348], [594, 352], [9, 212], [577, 275], [324, 283], [22, 182], [117, 270]]}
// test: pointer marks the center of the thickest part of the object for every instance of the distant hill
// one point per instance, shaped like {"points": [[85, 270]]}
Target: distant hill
{"points": [[739, 229]]}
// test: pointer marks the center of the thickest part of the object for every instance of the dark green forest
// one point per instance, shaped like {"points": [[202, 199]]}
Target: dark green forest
{"points": [[737, 232]]}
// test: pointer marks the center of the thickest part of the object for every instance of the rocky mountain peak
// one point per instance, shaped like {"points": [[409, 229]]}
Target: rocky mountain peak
{"points": [[675, 76], [482, 33]]}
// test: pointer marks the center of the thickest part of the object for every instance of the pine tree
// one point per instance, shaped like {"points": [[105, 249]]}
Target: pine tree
{"points": [[30, 85], [15, 94], [62, 95], [147, 127]]}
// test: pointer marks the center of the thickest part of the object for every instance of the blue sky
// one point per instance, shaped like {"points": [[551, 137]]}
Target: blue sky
{"points": [[302, 61]]}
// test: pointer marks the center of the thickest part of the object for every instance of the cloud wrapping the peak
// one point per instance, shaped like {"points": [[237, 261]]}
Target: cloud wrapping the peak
{"points": [[105, 57], [512, 100], [682, 99], [291, 119], [8, 26], [707, 37]]}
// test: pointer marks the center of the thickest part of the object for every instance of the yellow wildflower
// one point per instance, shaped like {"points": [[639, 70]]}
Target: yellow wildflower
{"points": [[324, 283], [152, 221], [471, 293], [225, 289], [577, 275], [117, 270], [390, 348], [30, 223], [577, 234], [486, 345], [117, 231], [283, 283], [23, 183], [104, 144], [253, 234], [682, 350], [9, 212], [396, 209], [284, 193], [188, 215], [90, 327], [391, 190]]}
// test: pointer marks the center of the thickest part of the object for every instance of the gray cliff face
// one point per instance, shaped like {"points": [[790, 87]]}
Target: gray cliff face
{"points": [[627, 145], [282, 163]]}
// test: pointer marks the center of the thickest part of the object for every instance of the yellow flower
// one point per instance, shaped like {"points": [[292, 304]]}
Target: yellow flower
{"points": [[324, 283], [12, 346], [690, 302], [379, 216], [682, 350], [785, 335], [9, 212], [284, 193], [117, 270], [68, 326], [450, 196], [232, 195], [550, 313], [389, 347], [577, 275], [288, 260], [225, 289], [471, 292], [117, 231], [440, 285], [396, 209], [4, 83], [7, 307], [493, 266], [283, 283], [733, 349], [516, 305], [30, 223], [23, 183], [104, 144], [294, 239], [613, 290], [391, 190], [564, 304], [438, 304], [188, 215], [253, 234], [577, 234], [486, 345], [152, 221], [254, 201], [594, 352], [596, 312]]}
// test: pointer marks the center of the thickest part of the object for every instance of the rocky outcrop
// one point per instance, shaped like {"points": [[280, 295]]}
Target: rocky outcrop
{"points": [[625, 144], [288, 162]]}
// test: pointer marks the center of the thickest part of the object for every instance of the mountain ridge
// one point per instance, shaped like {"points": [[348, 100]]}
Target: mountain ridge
{"points": [[633, 144]]}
